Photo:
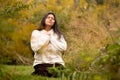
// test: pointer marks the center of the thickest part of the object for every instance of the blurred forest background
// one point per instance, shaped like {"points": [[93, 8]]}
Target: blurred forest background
{"points": [[91, 29]]}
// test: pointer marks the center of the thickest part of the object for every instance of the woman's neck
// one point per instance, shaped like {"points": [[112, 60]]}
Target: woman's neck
{"points": [[47, 28]]}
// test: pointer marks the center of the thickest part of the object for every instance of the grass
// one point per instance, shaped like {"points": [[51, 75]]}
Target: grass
{"points": [[13, 72], [21, 72]]}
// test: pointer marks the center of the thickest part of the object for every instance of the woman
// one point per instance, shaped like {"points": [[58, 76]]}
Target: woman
{"points": [[48, 44]]}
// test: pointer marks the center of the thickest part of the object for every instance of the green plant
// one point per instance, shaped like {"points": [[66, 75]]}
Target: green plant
{"points": [[109, 60]]}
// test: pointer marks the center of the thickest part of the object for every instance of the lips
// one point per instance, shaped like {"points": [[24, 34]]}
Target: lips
{"points": [[50, 22]]}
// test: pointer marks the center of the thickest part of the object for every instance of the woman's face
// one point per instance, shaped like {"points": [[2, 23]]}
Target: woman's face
{"points": [[50, 20]]}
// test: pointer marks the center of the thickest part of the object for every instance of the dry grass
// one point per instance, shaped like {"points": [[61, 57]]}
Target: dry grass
{"points": [[86, 33]]}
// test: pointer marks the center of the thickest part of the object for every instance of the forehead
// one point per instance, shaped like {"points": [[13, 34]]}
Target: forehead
{"points": [[50, 15]]}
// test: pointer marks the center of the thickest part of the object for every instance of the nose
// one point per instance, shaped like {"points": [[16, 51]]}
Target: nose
{"points": [[50, 18]]}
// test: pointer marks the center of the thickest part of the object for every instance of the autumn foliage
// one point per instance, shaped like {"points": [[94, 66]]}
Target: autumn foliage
{"points": [[91, 29]]}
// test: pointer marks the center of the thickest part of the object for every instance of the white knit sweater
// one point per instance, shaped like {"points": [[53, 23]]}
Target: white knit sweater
{"points": [[47, 47]]}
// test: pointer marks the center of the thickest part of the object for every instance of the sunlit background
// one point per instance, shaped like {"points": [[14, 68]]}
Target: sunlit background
{"points": [[91, 29]]}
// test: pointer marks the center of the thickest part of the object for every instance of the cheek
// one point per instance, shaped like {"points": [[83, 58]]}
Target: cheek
{"points": [[46, 21], [53, 22]]}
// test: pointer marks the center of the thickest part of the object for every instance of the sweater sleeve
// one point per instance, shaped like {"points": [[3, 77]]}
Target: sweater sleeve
{"points": [[60, 44], [38, 40]]}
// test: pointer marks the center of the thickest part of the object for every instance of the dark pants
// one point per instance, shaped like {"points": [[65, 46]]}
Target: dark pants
{"points": [[48, 70]]}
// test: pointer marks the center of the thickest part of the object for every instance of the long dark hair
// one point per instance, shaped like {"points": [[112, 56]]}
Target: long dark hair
{"points": [[54, 27]]}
